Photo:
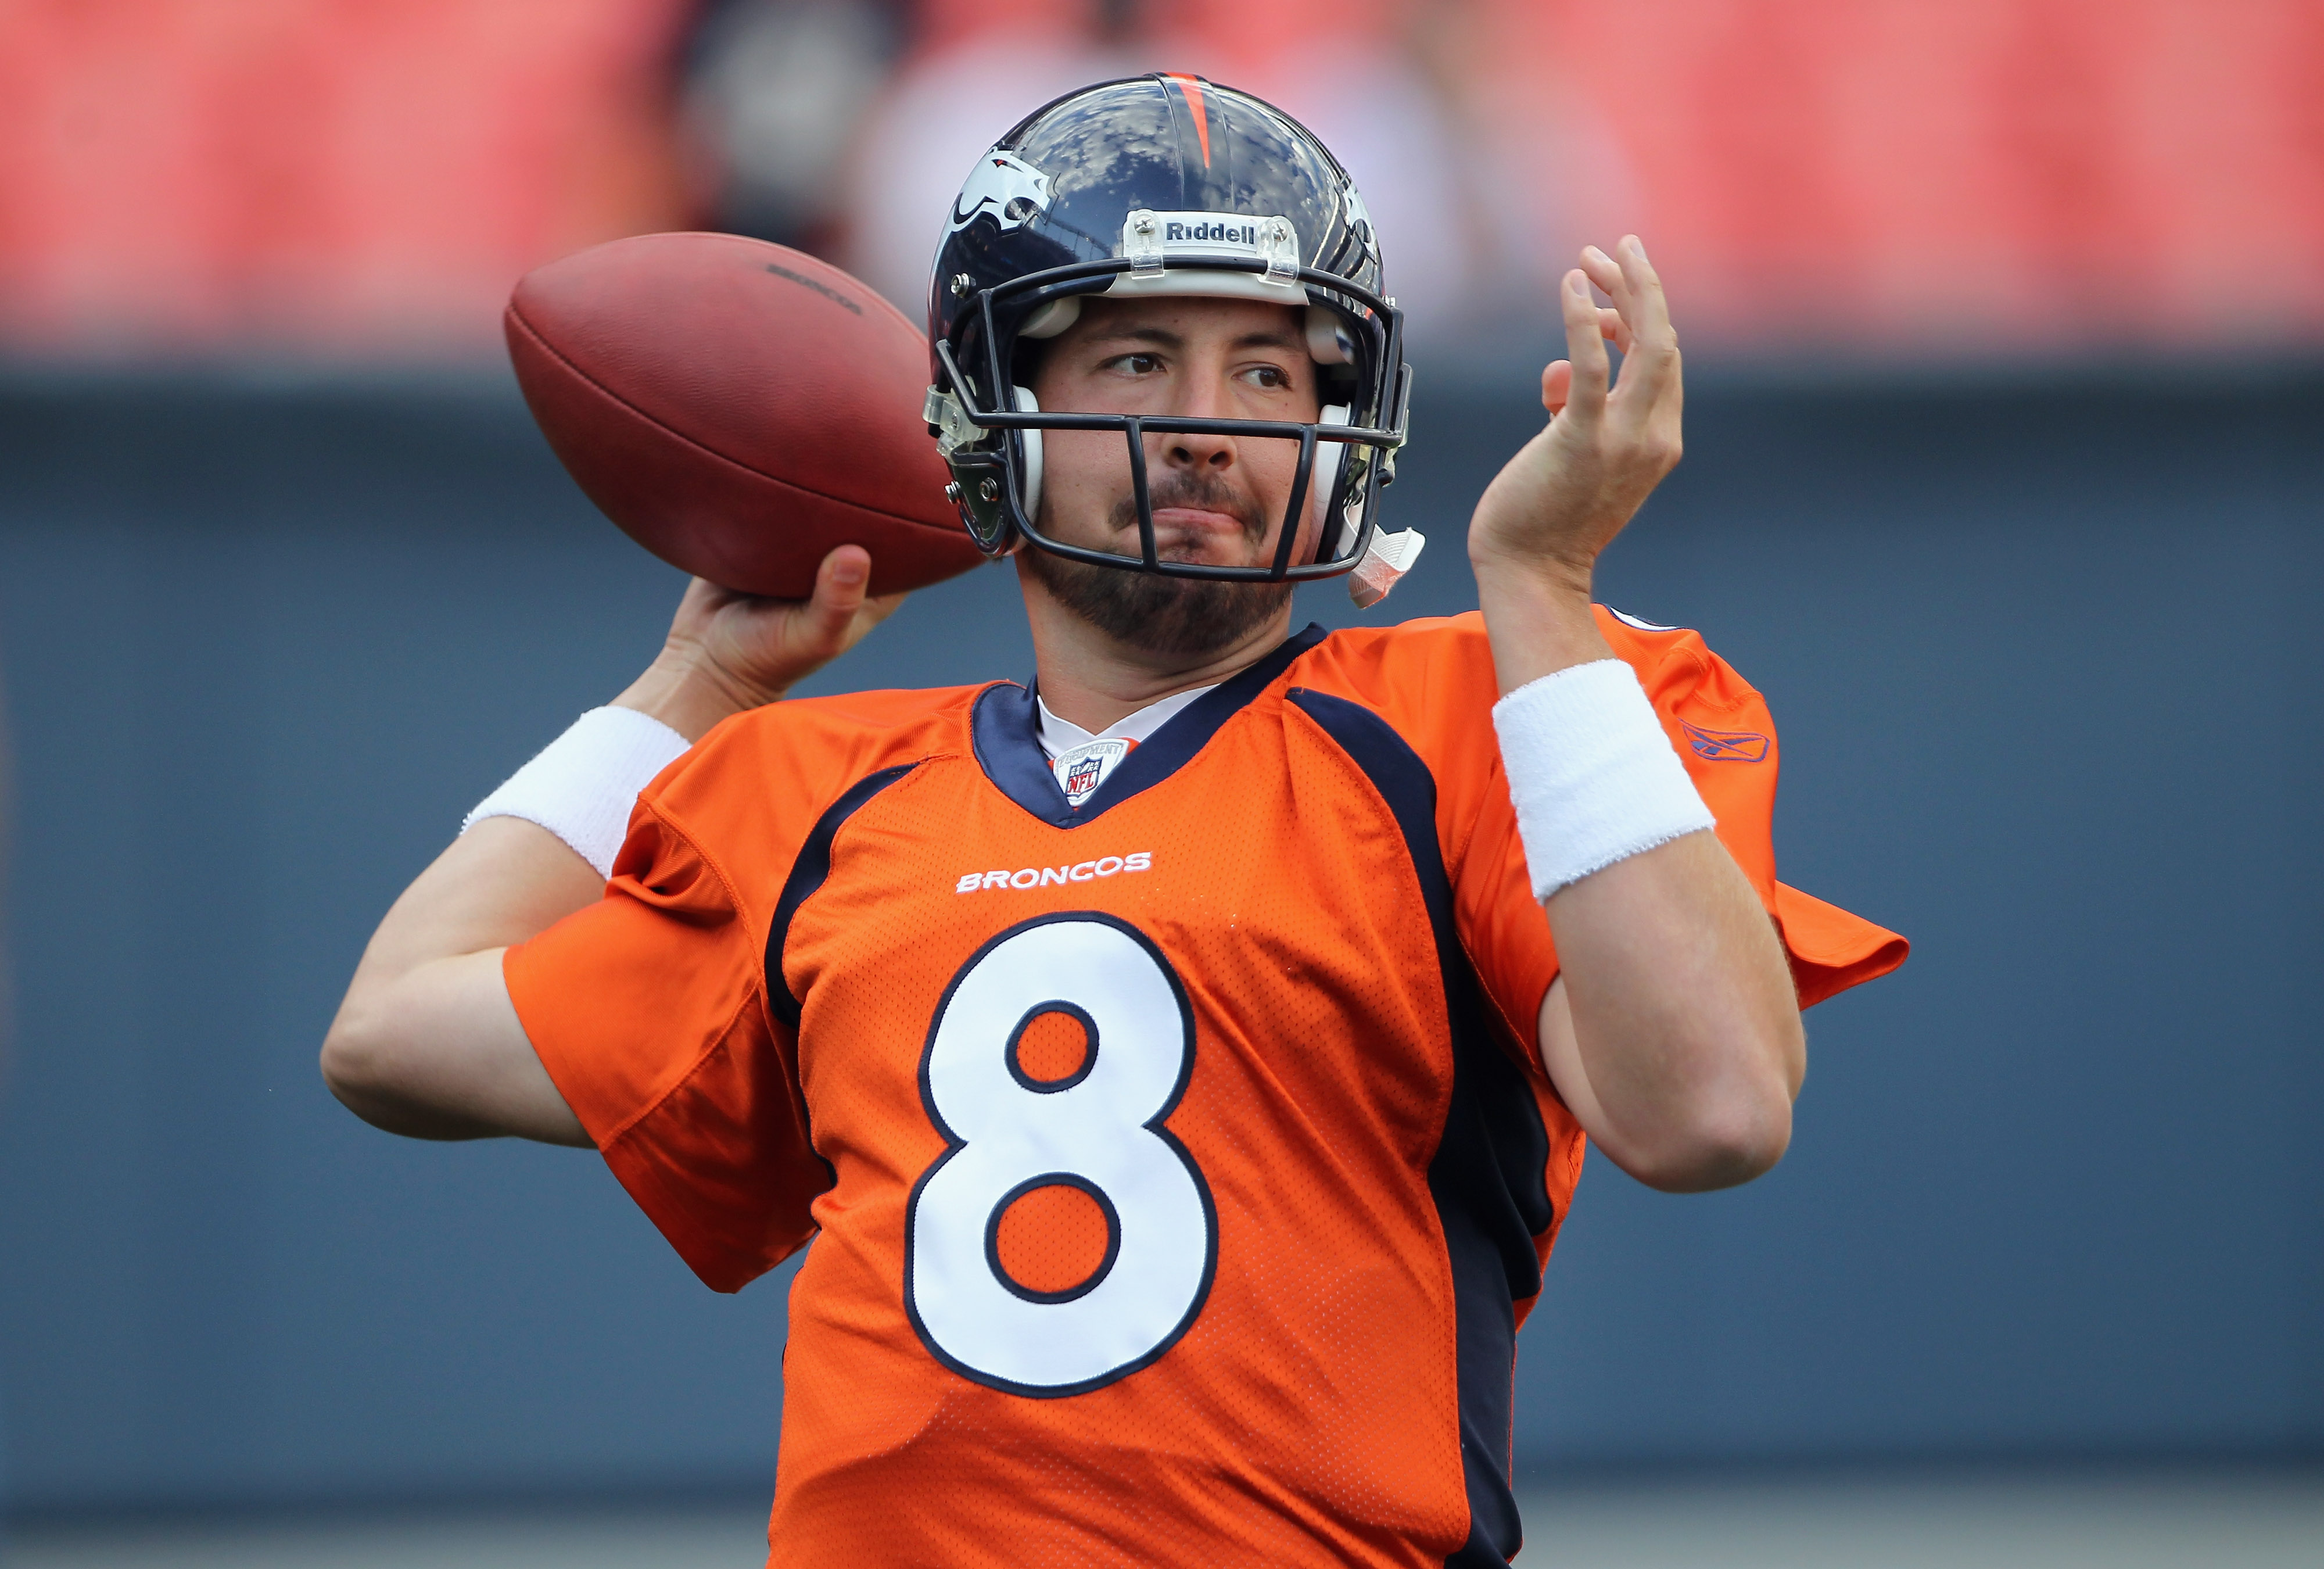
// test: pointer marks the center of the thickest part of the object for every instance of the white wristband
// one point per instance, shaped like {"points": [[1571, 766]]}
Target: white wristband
{"points": [[584, 785], [1592, 776]]}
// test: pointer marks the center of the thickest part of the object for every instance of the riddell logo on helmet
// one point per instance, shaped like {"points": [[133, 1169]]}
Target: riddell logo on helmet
{"points": [[1222, 234]]}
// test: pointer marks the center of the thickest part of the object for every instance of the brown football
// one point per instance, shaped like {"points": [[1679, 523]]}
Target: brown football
{"points": [[739, 409]]}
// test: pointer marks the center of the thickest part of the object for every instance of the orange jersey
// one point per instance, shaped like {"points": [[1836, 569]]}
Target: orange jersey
{"points": [[1179, 1166]]}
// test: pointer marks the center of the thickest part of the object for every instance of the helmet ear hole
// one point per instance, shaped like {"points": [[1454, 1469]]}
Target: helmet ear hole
{"points": [[1029, 443]]}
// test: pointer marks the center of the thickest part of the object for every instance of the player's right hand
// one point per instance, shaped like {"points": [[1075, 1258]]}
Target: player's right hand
{"points": [[728, 651]]}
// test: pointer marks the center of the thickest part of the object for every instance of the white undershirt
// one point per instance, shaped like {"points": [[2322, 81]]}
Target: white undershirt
{"points": [[1059, 736], [1072, 750]]}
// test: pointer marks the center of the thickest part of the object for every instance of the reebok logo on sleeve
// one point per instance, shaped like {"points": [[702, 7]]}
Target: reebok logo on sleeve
{"points": [[1725, 745]]}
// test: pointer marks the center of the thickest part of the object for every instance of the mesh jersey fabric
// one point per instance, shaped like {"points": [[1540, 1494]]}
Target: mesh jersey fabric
{"points": [[1248, 1286]]}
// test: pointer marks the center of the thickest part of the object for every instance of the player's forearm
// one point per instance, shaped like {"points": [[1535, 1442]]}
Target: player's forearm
{"points": [[1676, 1034], [427, 1042], [1685, 1044], [502, 881]]}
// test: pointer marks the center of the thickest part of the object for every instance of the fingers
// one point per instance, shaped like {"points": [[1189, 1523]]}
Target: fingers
{"points": [[1556, 384], [841, 583], [1631, 282], [1607, 273], [1585, 348], [1645, 400], [1644, 306], [1650, 372], [1604, 272]]}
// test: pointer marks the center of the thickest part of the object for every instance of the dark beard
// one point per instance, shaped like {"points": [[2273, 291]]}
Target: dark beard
{"points": [[1168, 617]]}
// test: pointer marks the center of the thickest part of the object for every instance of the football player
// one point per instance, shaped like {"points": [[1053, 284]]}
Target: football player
{"points": [[1181, 1065]]}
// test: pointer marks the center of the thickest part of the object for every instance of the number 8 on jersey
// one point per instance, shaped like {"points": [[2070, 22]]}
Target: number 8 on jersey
{"points": [[1096, 1129]]}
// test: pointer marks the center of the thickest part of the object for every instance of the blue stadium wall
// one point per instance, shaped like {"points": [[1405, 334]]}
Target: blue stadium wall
{"points": [[2045, 655]]}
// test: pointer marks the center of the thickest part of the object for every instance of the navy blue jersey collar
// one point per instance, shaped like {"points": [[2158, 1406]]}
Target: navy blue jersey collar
{"points": [[1005, 726]]}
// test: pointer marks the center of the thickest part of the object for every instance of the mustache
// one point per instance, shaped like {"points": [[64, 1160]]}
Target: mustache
{"points": [[1196, 492]]}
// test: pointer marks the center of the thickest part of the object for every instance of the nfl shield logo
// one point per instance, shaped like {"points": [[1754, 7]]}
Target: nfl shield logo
{"points": [[1082, 770]]}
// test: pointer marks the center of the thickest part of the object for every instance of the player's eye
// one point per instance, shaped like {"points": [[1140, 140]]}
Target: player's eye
{"points": [[1136, 365], [1274, 378]]}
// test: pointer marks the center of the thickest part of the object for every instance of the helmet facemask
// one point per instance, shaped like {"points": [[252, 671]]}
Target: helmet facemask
{"points": [[996, 453], [988, 303]]}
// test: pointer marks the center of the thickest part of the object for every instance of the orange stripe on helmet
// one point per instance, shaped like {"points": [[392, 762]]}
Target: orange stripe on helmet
{"points": [[1193, 88]]}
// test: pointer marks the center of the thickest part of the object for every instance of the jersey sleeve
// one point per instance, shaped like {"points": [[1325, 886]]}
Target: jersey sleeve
{"points": [[1720, 726], [648, 1010], [1830, 949]]}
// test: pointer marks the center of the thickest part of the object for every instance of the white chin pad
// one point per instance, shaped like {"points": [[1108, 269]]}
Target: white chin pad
{"points": [[1328, 455], [1031, 441]]}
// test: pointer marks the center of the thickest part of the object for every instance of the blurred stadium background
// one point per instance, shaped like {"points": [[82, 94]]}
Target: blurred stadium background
{"points": [[2004, 480]]}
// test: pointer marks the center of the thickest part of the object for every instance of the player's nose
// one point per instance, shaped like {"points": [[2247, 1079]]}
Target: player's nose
{"points": [[1200, 399], [1183, 450]]}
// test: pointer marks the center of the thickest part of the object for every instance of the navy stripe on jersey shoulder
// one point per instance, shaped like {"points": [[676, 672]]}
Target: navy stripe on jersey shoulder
{"points": [[1489, 1174], [1005, 728], [809, 871]]}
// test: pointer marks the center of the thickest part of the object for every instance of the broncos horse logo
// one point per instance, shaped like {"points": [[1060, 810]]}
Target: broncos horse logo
{"points": [[1004, 185]]}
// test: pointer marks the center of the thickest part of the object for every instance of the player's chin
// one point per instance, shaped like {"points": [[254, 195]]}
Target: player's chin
{"points": [[1166, 618]]}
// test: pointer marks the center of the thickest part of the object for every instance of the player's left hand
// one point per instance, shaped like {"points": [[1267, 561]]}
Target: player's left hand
{"points": [[1570, 490]]}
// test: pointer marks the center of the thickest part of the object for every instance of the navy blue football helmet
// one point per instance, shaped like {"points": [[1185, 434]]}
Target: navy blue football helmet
{"points": [[1165, 185]]}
